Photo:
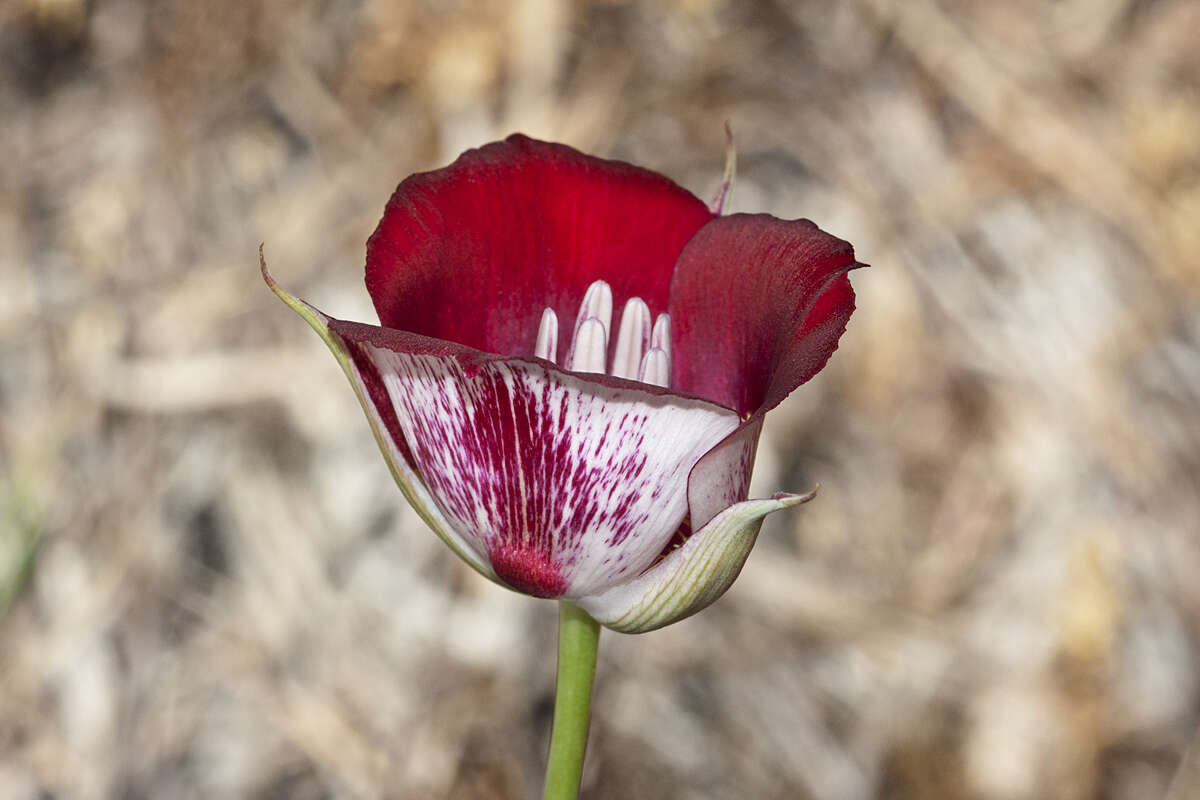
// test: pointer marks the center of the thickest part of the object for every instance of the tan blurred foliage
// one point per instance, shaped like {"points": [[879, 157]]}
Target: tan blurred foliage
{"points": [[210, 588]]}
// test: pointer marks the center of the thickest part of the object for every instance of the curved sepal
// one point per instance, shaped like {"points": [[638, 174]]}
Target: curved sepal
{"points": [[406, 478], [720, 201], [691, 577]]}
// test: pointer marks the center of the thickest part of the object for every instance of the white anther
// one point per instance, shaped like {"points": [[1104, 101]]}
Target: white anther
{"points": [[547, 336], [641, 351], [660, 338], [655, 368], [632, 339], [591, 347], [597, 304]]}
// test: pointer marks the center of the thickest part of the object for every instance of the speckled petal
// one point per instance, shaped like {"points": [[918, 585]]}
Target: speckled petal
{"points": [[394, 452], [570, 486]]}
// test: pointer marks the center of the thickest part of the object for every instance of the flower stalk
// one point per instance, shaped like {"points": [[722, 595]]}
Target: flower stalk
{"points": [[578, 640]]}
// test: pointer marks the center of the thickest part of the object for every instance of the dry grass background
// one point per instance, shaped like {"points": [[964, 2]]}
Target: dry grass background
{"points": [[210, 588]]}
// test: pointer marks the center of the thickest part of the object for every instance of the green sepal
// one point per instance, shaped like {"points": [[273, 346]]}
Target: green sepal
{"points": [[691, 577]]}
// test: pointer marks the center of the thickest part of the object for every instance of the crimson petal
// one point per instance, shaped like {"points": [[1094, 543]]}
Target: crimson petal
{"points": [[757, 304], [473, 252]]}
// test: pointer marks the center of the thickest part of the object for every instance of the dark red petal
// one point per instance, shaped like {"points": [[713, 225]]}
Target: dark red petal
{"points": [[757, 305], [472, 253]]}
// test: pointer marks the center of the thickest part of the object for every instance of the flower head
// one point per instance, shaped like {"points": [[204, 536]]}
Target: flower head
{"points": [[572, 368]]}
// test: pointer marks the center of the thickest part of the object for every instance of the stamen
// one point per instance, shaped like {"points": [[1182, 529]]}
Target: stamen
{"points": [[590, 349], [641, 352], [661, 339], [656, 367], [597, 303], [632, 339], [547, 336]]}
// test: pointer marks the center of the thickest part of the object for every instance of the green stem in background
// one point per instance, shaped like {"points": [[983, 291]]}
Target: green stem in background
{"points": [[23, 531], [578, 638]]}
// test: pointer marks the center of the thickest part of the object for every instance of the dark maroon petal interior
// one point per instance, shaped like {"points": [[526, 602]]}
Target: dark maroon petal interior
{"points": [[473, 252], [757, 307]]}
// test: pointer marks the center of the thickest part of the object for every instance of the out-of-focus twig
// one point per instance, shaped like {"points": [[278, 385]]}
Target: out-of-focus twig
{"points": [[1029, 124]]}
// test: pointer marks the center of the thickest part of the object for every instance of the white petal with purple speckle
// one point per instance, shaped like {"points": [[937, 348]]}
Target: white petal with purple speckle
{"points": [[570, 486]]}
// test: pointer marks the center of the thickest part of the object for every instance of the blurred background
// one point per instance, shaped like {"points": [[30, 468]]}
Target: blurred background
{"points": [[210, 588]]}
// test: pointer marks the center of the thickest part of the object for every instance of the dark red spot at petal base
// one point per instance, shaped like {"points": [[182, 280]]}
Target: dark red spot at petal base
{"points": [[527, 571]]}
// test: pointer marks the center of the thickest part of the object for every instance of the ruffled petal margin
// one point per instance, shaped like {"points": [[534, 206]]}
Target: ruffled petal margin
{"points": [[691, 577]]}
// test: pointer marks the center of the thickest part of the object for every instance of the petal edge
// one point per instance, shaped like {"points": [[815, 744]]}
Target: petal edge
{"points": [[406, 478], [757, 306]]}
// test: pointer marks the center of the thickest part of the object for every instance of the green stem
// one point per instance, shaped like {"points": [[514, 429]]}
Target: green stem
{"points": [[578, 638]]}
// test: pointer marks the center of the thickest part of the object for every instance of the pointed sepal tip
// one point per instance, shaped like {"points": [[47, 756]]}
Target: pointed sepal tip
{"points": [[691, 577]]}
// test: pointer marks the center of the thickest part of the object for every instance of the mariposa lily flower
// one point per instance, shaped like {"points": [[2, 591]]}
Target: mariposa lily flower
{"points": [[573, 364]]}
